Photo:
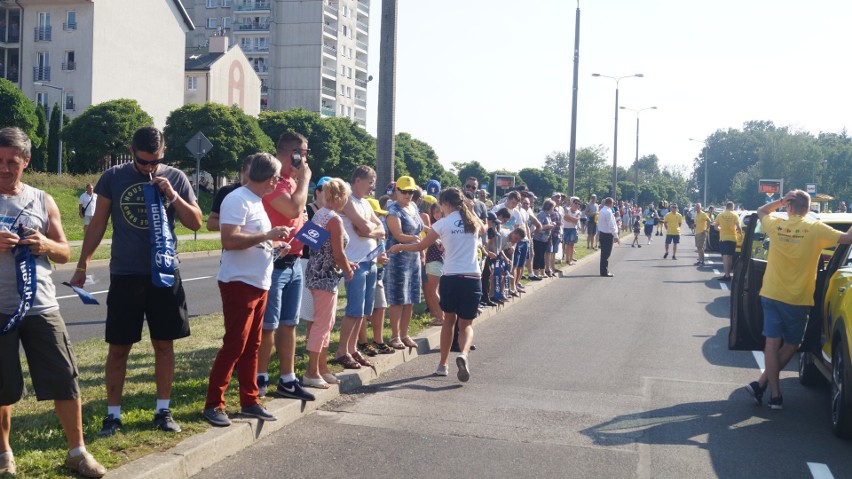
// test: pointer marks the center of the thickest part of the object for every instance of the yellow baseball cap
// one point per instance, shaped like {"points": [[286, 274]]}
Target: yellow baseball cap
{"points": [[374, 203], [406, 183], [429, 199]]}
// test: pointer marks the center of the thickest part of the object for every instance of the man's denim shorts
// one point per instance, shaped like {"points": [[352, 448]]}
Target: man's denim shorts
{"points": [[782, 320]]}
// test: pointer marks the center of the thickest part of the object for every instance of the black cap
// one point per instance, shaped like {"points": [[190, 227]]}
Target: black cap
{"points": [[493, 217]]}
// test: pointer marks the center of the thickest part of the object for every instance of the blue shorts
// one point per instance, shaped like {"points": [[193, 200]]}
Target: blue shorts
{"points": [[554, 244], [460, 295], [285, 297], [672, 239], [569, 235], [782, 320], [649, 229], [522, 252], [361, 290]]}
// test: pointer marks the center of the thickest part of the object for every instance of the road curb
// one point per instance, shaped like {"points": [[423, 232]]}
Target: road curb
{"points": [[205, 449]]}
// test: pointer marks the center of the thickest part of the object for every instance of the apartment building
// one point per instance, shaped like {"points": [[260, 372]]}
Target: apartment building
{"points": [[221, 73], [310, 54], [84, 52]]}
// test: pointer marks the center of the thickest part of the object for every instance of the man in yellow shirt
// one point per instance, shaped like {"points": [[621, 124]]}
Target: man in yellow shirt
{"points": [[728, 225], [788, 287], [702, 224], [672, 220]]}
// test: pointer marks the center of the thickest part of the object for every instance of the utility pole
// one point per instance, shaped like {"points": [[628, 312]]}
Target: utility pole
{"points": [[386, 122], [572, 153]]}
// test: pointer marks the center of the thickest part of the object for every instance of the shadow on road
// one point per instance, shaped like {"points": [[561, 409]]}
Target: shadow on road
{"points": [[406, 383]]}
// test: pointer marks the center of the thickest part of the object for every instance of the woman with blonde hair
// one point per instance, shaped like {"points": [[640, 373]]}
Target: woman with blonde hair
{"points": [[325, 268]]}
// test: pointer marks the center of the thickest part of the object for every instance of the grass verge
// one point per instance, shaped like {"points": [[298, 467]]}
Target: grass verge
{"points": [[184, 246]]}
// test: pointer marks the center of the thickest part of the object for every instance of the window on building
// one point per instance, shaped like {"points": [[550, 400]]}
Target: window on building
{"points": [[226, 3], [212, 23], [192, 83], [344, 10], [212, 3], [70, 20], [42, 31], [69, 100], [226, 22], [342, 110], [348, 92], [348, 72], [41, 99], [345, 31], [342, 90], [42, 69], [70, 62]]}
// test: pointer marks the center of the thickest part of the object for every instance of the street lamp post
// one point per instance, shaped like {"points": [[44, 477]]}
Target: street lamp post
{"points": [[706, 165], [59, 133], [615, 141], [636, 164]]}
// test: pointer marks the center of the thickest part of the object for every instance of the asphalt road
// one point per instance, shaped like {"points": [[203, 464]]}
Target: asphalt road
{"points": [[198, 273], [593, 377]]}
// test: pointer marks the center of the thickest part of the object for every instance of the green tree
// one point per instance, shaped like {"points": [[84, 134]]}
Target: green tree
{"points": [[474, 169], [321, 135], [357, 147], [17, 110], [558, 163], [234, 135], [592, 174], [102, 133], [419, 160], [39, 153], [541, 181]]}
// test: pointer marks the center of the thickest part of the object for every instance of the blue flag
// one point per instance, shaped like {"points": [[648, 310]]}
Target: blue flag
{"points": [[312, 235], [372, 255], [25, 277], [162, 241], [85, 296]]}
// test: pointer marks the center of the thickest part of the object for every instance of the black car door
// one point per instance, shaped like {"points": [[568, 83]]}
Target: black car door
{"points": [[746, 333]]}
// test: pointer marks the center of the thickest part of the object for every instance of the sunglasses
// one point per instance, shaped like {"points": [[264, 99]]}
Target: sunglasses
{"points": [[146, 162], [281, 178], [470, 187], [406, 192]]}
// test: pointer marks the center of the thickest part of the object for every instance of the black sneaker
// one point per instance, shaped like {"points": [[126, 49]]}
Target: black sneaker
{"points": [[164, 421], [111, 425], [674, 257], [217, 417], [258, 411], [293, 390], [666, 255], [755, 392], [262, 386], [776, 403]]}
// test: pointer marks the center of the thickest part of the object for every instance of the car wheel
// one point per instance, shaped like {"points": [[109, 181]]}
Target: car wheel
{"points": [[841, 409], [809, 375]]}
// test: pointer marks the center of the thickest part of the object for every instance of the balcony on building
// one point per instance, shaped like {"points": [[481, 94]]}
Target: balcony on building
{"points": [[330, 29], [363, 8], [10, 74], [252, 7], [264, 89], [330, 50], [329, 71], [261, 69], [69, 104], [251, 27], [330, 8], [43, 33], [69, 26], [360, 102], [361, 64], [12, 34], [363, 27], [360, 83], [328, 108], [41, 74], [361, 46], [69, 66]]}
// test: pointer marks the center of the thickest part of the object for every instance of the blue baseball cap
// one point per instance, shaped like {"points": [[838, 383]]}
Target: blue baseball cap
{"points": [[433, 187]]}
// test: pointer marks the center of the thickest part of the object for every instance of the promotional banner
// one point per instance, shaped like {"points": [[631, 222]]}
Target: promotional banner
{"points": [[25, 277]]}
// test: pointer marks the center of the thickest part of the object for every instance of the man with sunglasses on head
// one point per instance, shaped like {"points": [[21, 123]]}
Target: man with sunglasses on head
{"points": [[471, 188], [133, 298]]}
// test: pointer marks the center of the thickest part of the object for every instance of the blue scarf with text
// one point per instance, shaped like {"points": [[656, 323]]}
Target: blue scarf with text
{"points": [[162, 240], [25, 276]]}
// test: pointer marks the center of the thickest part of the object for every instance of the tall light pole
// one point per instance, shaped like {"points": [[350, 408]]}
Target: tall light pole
{"points": [[615, 141], [572, 152], [706, 165], [61, 115], [636, 164]]}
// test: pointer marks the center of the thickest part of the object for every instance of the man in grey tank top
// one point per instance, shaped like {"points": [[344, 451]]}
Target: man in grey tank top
{"points": [[41, 330]]}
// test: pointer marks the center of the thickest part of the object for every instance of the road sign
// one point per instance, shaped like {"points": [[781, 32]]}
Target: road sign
{"points": [[811, 189], [199, 145]]}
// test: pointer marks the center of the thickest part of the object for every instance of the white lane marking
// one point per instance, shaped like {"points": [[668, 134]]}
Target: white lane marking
{"points": [[716, 271], [106, 290], [723, 286], [758, 356], [820, 471], [708, 262]]}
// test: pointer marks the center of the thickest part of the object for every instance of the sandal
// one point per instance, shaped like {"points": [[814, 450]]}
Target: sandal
{"points": [[436, 322], [383, 348], [396, 343], [331, 378], [409, 342], [361, 360], [318, 383], [347, 361]]}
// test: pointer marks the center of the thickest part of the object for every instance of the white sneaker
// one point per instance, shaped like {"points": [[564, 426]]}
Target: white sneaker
{"points": [[464, 368], [442, 370]]}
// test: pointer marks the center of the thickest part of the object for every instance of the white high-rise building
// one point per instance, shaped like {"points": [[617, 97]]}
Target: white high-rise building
{"points": [[310, 54]]}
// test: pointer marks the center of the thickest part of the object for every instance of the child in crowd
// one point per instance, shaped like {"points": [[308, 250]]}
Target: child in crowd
{"points": [[637, 229]]}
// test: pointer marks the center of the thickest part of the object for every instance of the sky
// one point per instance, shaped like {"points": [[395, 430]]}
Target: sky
{"points": [[491, 80]]}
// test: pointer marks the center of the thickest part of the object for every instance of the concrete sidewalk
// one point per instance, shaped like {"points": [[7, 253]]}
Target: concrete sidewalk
{"points": [[198, 452]]}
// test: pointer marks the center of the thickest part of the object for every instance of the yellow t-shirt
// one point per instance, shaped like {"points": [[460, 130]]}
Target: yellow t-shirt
{"points": [[701, 220], [795, 245], [727, 221], [673, 221]]}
